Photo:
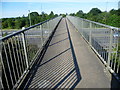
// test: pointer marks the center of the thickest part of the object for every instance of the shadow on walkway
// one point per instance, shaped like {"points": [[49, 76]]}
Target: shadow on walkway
{"points": [[115, 84], [59, 70]]}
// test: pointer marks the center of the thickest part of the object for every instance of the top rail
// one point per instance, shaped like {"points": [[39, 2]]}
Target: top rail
{"points": [[104, 25], [20, 31], [19, 51], [103, 39]]}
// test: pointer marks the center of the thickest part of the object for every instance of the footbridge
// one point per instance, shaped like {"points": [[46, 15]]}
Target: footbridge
{"points": [[68, 52]]}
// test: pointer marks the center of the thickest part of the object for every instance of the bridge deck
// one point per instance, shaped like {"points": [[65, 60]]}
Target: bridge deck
{"points": [[69, 63]]}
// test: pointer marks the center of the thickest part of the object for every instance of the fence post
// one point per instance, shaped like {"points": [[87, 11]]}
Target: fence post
{"points": [[110, 48], [24, 46]]}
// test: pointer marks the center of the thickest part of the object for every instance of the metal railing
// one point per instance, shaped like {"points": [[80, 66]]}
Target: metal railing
{"points": [[19, 50], [103, 39]]}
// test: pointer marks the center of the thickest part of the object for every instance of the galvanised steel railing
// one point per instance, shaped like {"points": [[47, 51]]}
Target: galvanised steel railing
{"points": [[19, 50], [104, 40]]}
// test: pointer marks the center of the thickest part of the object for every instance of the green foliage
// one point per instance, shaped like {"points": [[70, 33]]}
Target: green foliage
{"points": [[5, 34], [80, 14], [111, 18], [4, 24], [63, 15], [34, 14], [95, 11], [72, 14], [19, 22], [115, 55], [51, 15]]}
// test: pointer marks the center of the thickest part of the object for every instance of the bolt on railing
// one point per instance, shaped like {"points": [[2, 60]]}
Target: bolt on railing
{"points": [[103, 39], [18, 51]]}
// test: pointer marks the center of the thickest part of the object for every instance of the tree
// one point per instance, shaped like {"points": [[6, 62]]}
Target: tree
{"points": [[63, 15], [56, 15], [118, 12], [19, 23], [10, 23], [34, 14], [72, 14], [80, 14], [113, 11], [95, 11], [51, 14], [4, 24]]}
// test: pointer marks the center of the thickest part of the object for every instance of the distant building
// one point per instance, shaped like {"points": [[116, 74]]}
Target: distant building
{"points": [[119, 5]]}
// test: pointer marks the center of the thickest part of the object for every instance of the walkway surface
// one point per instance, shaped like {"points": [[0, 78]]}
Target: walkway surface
{"points": [[69, 63]]}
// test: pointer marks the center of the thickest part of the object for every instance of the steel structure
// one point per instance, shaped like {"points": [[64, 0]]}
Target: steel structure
{"points": [[18, 51], [103, 39]]}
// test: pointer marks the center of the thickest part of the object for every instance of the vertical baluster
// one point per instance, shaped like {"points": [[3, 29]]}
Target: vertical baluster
{"points": [[116, 52], [11, 58], [25, 51], [21, 60], [18, 58], [118, 66], [22, 52], [13, 49], [11, 79], [110, 48], [4, 71]]}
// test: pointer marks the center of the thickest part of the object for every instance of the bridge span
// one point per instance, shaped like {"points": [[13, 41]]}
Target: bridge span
{"points": [[64, 59]]}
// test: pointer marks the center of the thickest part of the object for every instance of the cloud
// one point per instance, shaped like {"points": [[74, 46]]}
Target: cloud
{"points": [[59, 0]]}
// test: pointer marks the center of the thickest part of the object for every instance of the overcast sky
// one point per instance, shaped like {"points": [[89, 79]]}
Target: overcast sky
{"points": [[16, 8]]}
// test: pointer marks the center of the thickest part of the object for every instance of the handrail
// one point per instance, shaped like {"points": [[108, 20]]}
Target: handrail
{"points": [[19, 51], [20, 31], [104, 25], [107, 26], [103, 39]]}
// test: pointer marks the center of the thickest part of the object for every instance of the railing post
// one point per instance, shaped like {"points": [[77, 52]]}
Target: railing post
{"points": [[24, 46], [110, 48], [48, 30], [82, 26], [90, 35], [41, 34]]}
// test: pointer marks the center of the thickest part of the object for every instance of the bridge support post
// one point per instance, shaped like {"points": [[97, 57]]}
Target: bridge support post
{"points": [[24, 46]]}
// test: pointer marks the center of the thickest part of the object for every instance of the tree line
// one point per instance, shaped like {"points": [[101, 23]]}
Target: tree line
{"points": [[111, 18], [19, 22]]}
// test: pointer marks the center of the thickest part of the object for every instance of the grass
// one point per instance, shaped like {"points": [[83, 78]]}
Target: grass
{"points": [[10, 29]]}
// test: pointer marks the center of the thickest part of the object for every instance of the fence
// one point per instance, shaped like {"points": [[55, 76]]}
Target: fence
{"points": [[103, 39], [19, 50]]}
